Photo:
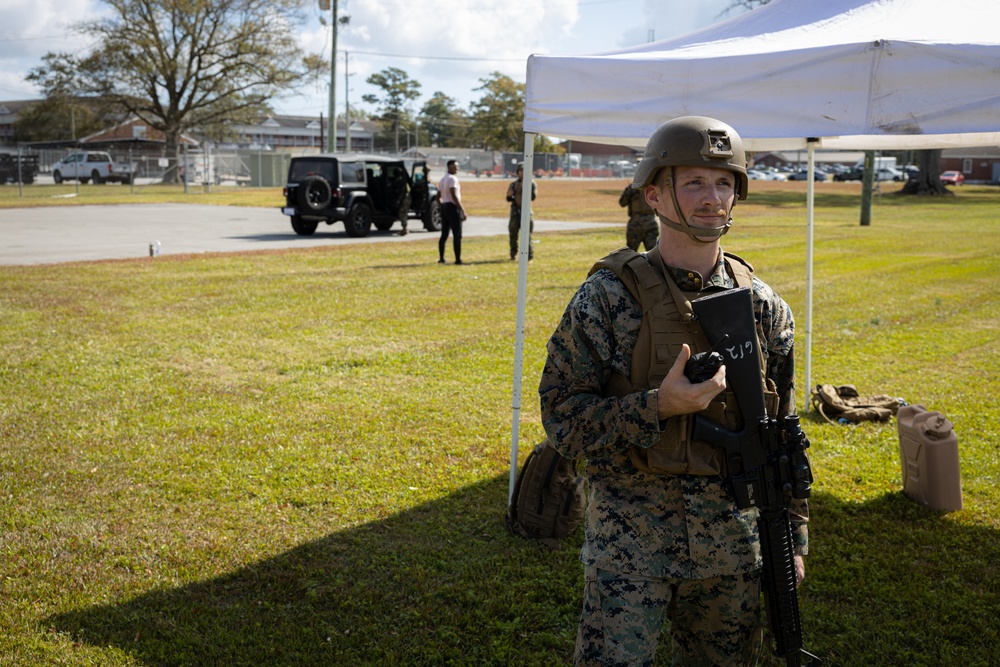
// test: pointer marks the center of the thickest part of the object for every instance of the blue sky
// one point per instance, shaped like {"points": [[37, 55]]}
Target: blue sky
{"points": [[446, 45]]}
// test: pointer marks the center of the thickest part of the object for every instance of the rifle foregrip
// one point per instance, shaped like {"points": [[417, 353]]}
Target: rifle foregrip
{"points": [[781, 600]]}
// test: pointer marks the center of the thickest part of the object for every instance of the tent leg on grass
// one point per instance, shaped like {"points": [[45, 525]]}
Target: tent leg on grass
{"points": [[810, 211], [522, 299]]}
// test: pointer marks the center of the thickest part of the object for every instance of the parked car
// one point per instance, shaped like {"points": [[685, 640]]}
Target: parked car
{"points": [[765, 175], [857, 173], [96, 166], [18, 168], [952, 178], [360, 191], [803, 175], [890, 174]]}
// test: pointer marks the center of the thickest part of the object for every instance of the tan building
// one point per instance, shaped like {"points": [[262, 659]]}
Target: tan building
{"points": [[979, 165], [9, 113], [282, 133]]}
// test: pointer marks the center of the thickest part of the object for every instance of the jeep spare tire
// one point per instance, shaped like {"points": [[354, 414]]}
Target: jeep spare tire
{"points": [[314, 193]]}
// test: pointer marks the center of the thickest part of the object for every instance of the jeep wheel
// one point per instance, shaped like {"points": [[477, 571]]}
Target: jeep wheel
{"points": [[96, 176], [314, 193], [57, 177], [358, 221], [302, 227], [432, 216], [384, 225]]}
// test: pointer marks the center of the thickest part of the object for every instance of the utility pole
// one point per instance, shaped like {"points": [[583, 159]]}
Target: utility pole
{"points": [[867, 181], [331, 139], [347, 107]]}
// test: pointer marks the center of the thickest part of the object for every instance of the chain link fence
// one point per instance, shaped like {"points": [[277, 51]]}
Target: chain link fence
{"points": [[205, 168]]}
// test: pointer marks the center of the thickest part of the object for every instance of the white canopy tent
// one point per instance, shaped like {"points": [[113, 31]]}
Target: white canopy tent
{"points": [[793, 74]]}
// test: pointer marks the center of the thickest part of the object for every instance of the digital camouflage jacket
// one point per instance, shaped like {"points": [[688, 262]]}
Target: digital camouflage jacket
{"points": [[678, 526]]}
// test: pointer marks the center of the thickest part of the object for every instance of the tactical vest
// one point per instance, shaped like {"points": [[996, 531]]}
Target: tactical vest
{"points": [[667, 323]]}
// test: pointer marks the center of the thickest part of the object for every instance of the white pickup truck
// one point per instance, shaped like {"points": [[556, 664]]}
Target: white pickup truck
{"points": [[94, 166]]}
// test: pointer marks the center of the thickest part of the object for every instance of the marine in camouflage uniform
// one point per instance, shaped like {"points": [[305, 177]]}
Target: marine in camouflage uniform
{"points": [[515, 197], [658, 546], [642, 227]]}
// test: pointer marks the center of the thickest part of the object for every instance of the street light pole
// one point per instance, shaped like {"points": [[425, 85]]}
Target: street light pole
{"points": [[331, 136], [347, 107]]}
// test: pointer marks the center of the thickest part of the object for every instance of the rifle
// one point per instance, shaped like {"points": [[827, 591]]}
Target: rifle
{"points": [[765, 464]]}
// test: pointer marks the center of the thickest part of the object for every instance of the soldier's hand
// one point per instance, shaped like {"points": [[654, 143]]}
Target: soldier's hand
{"points": [[677, 396], [800, 569]]}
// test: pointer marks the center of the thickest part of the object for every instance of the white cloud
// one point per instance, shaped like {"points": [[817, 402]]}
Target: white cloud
{"points": [[446, 45], [32, 28]]}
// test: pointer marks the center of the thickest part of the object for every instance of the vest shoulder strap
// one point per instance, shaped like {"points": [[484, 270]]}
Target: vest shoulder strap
{"points": [[648, 287], [740, 269], [635, 272]]}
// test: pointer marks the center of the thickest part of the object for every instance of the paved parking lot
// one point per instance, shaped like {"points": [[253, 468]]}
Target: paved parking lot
{"points": [[52, 235]]}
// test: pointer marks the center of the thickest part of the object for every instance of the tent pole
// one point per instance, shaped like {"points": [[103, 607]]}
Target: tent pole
{"points": [[810, 214], [522, 299]]}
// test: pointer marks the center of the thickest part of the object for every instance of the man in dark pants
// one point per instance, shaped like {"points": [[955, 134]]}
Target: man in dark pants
{"points": [[452, 212]]}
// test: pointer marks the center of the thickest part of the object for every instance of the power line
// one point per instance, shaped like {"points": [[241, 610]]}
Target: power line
{"points": [[398, 55]]}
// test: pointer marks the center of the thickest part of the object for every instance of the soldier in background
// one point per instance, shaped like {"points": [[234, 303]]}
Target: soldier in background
{"points": [[642, 227], [514, 225]]}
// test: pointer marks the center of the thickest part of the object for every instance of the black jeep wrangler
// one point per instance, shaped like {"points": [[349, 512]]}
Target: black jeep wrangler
{"points": [[361, 191]]}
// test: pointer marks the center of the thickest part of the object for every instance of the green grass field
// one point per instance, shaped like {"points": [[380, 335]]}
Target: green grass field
{"points": [[301, 458]]}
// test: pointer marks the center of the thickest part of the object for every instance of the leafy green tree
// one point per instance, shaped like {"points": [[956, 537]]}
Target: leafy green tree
{"points": [[62, 114], [498, 116], [398, 91], [183, 64], [443, 122]]}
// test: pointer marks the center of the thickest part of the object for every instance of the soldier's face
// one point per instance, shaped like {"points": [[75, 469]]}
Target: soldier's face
{"points": [[705, 196]]}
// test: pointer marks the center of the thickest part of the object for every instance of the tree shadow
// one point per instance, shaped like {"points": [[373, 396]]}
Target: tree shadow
{"points": [[889, 582], [442, 583]]}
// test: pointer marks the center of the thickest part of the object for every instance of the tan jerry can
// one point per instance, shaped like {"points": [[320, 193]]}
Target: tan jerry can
{"points": [[928, 449]]}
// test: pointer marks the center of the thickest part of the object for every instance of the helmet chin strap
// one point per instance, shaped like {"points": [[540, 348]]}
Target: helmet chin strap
{"points": [[699, 234]]}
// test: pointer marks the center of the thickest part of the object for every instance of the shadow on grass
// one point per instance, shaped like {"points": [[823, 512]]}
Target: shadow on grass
{"points": [[290, 236], [889, 583], [443, 583]]}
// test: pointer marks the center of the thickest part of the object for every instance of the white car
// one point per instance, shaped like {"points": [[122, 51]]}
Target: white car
{"points": [[763, 175]]}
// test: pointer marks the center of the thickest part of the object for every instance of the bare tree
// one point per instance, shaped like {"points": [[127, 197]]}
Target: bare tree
{"points": [[181, 64]]}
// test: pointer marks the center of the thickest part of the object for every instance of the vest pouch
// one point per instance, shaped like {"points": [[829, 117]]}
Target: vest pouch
{"points": [[676, 453]]}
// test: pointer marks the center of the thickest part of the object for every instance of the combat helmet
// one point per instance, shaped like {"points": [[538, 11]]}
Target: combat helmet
{"points": [[693, 141]]}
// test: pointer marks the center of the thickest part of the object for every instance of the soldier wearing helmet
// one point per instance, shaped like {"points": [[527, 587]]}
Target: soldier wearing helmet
{"points": [[665, 540]]}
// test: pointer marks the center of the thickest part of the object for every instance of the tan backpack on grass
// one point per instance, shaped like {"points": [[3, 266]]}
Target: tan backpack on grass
{"points": [[549, 500], [843, 404]]}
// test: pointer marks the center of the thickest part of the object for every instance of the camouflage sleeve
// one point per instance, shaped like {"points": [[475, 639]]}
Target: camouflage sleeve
{"points": [[625, 196], [594, 338], [779, 328]]}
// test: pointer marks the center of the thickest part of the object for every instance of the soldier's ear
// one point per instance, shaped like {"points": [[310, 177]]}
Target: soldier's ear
{"points": [[652, 195]]}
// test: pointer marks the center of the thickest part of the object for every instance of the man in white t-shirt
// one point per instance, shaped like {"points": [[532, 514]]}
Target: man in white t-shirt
{"points": [[452, 212]]}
